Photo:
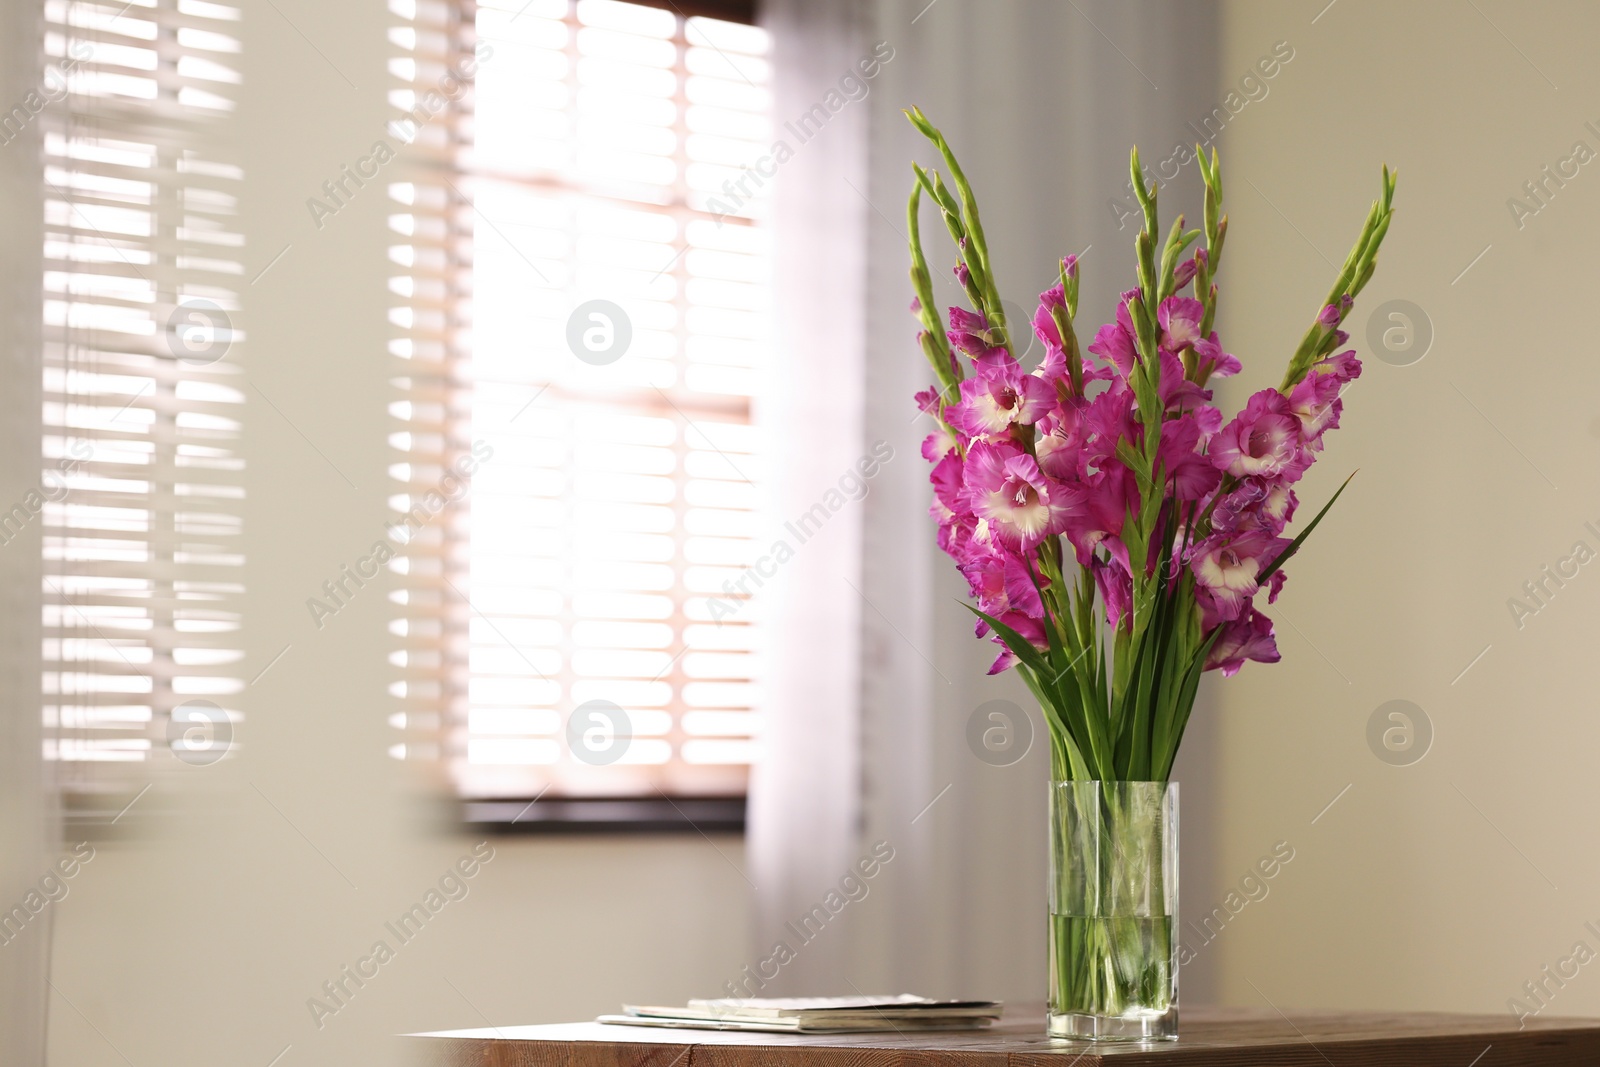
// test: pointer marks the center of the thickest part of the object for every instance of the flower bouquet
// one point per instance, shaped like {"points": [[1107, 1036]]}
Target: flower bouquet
{"points": [[1116, 533]]}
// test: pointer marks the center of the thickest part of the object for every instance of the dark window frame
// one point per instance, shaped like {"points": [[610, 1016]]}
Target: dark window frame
{"points": [[605, 815], [726, 10]]}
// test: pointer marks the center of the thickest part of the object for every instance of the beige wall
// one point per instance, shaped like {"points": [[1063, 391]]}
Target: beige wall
{"points": [[179, 955], [1448, 883], [200, 938]]}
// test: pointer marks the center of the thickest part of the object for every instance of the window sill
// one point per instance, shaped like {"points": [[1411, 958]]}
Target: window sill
{"points": [[610, 815]]}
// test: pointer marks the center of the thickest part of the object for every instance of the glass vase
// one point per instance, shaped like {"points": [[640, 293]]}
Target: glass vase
{"points": [[1113, 911]]}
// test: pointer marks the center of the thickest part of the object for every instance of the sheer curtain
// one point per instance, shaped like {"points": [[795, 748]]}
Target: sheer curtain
{"points": [[25, 808], [1041, 100], [805, 799]]}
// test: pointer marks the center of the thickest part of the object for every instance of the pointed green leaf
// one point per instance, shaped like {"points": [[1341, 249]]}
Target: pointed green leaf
{"points": [[1294, 546]]}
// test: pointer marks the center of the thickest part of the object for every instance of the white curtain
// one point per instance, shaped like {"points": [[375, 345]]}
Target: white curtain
{"points": [[805, 800], [26, 817], [873, 683]]}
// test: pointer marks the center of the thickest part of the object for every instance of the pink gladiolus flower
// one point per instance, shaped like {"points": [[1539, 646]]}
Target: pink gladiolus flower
{"points": [[1178, 393], [1192, 475], [1227, 570], [1116, 590], [1184, 273], [999, 396], [1277, 507], [928, 400], [1059, 444], [1115, 341], [1109, 417], [1315, 402], [964, 321], [1053, 368], [1098, 522], [1180, 318], [955, 531], [1275, 585], [1044, 324], [1344, 366], [1248, 637], [1000, 581], [1263, 441], [1116, 346], [1022, 588], [1004, 486], [1212, 361], [967, 329], [1031, 629], [1332, 315], [1255, 505], [946, 479], [938, 444], [986, 583]]}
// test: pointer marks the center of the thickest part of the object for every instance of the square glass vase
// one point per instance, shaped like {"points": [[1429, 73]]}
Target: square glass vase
{"points": [[1113, 911]]}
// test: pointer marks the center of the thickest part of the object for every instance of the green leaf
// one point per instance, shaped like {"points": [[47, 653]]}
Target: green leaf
{"points": [[1184, 706], [1064, 707], [1294, 546], [1014, 641], [1083, 722]]}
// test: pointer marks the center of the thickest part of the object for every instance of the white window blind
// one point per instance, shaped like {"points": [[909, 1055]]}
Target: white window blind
{"points": [[578, 316], [140, 497]]}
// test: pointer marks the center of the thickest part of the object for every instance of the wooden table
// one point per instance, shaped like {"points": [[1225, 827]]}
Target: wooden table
{"points": [[1214, 1037]]}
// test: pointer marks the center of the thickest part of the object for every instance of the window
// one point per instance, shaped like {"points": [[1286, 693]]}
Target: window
{"points": [[139, 502], [581, 305]]}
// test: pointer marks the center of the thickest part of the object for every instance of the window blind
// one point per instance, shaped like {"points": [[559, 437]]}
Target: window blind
{"points": [[581, 305], [139, 502]]}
